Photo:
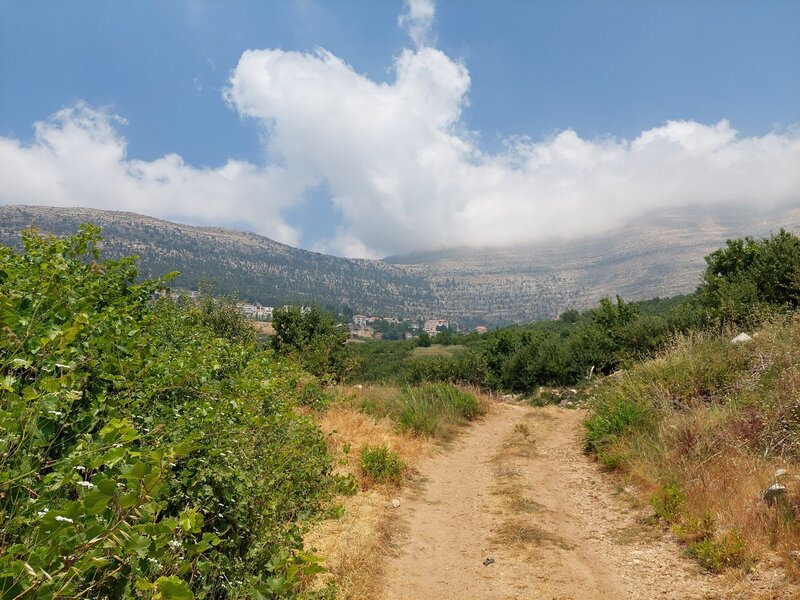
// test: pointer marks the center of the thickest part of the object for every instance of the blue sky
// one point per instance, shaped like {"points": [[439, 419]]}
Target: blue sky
{"points": [[602, 70]]}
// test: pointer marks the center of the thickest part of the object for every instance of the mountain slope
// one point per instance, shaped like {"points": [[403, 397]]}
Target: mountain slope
{"points": [[661, 255], [256, 267]]}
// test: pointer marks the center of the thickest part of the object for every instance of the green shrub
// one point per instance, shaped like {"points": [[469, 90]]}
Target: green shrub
{"points": [[381, 465], [669, 503], [614, 414], [719, 554], [146, 448], [435, 409], [749, 278], [467, 367], [695, 529], [313, 395], [312, 337]]}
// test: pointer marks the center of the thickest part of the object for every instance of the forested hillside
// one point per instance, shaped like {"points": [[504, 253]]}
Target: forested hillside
{"points": [[660, 256], [257, 268]]}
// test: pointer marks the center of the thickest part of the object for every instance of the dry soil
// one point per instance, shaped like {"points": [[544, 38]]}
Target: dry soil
{"points": [[516, 489]]}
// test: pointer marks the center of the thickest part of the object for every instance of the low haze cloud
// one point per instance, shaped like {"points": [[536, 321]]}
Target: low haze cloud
{"points": [[403, 171]]}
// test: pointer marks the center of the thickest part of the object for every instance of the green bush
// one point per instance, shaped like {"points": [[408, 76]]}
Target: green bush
{"points": [[748, 279], [669, 503], [146, 448], [312, 338], [436, 409], [381, 465], [719, 554], [614, 414], [466, 367]]}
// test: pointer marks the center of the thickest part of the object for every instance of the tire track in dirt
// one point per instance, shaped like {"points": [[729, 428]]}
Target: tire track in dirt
{"points": [[517, 488]]}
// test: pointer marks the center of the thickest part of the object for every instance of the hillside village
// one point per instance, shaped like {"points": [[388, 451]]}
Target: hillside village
{"points": [[360, 327]]}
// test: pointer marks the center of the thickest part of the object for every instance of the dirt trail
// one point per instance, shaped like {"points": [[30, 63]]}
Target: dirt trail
{"points": [[516, 488]]}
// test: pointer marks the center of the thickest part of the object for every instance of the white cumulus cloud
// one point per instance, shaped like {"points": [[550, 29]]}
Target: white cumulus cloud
{"points": [[78, 158], [403, 171], [406, 175], [417, 20]]}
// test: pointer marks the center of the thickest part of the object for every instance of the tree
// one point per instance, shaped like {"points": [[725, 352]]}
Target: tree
{"points": [[748, 278], [313, 338], [424, 340]]}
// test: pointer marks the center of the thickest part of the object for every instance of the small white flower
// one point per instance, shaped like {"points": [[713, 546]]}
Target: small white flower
{"points": [[117, 445], [171, 464], [86, 484], [55, 413], [64, 519], [43, 512], [80, 468], [174, 544]]}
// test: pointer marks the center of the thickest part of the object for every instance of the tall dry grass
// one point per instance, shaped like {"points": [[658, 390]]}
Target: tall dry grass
{"points": [[436, 410], [355, 546], [713, 421]]}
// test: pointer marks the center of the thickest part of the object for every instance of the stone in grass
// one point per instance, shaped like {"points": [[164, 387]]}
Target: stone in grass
{"points": [[396, 503], [773, 493], [742, 338]]}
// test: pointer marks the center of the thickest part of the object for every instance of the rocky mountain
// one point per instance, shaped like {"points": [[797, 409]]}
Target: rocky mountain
{"points": [[257, 268], [661, 255]]}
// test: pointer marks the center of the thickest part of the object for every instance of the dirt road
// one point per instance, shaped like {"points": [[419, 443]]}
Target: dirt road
{"points": [[517, 490]]}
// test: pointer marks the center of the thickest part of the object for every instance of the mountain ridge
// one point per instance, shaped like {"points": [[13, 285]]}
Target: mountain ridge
{"points": [[660, 255]]}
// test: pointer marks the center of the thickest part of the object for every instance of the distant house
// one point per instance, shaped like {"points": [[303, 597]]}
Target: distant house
{"points": [[360, 321], [431, 326], [256, 311], [481, 329], [264, 313], [248, 310]]}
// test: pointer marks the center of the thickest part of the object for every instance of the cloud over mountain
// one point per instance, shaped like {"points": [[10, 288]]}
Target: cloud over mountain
{"points": [[402, 169], [405, 173], [78, 158]]}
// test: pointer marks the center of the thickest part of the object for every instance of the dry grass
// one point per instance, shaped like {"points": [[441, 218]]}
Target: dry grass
{"points": [[644, 530], [435, 350], [349, 431], [729, 486], [519, 533], [721, 447], [354, 546]]}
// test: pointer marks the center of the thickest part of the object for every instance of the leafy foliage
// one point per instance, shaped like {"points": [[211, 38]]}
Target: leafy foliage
{"points": [[718, 554], [750, 278], [147, 449], [312, 337], [381, 464]]}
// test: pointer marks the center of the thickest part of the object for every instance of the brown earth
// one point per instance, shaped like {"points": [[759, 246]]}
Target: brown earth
{"points": [[517, 489]]}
